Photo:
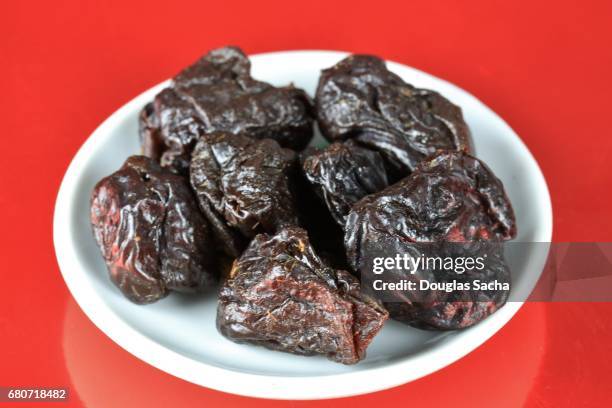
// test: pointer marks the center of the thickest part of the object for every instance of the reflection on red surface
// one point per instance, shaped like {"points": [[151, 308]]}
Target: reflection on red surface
{"points": [[103, 375], [577, 363]]}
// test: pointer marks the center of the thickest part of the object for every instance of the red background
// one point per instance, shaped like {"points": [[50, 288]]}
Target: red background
{"points": [[67, 65]]}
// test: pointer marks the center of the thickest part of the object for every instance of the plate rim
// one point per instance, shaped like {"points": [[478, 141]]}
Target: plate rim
{"points": [[258, 385]]}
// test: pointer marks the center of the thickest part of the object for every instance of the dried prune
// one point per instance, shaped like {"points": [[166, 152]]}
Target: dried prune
{"points": [[243, 185], [360, 99], [342, 174], [326, 235], [152, 236], [451, 199], [217, 93], [169, 128], [282, 296]]}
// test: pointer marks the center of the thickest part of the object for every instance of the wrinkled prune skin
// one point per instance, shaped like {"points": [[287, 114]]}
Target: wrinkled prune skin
{"points": [[360, 99], [282, 296], [169, 128], [449, 198], [342, 174], [152, 236], [326, 235], [243, 185], [217, 93]]}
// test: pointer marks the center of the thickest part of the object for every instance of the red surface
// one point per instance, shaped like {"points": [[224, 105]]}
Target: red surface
{"points": [[66, 65]]}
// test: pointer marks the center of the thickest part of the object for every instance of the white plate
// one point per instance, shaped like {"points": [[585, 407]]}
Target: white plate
{"points": [[178, 335]]}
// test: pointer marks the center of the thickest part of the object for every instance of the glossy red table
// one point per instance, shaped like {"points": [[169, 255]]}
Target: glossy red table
{"points": [[66, 65]]}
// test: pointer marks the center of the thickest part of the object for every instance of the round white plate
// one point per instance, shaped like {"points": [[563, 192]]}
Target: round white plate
{"points": [[178, 335]]}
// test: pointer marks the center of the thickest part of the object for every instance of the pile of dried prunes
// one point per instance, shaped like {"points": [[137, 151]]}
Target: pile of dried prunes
{"points": [[227, 194]]}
